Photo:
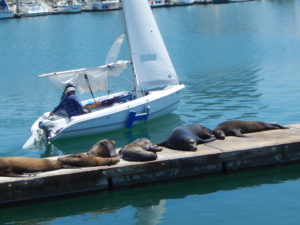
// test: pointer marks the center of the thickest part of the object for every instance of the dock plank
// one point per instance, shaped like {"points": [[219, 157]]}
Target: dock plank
{"points": [[258, 149]]}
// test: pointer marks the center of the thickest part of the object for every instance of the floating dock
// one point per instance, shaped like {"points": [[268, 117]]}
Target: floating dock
{"points": [[234, 153]]}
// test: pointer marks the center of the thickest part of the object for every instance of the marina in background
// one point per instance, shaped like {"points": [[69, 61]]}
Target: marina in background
{"points": [[20, 8]]}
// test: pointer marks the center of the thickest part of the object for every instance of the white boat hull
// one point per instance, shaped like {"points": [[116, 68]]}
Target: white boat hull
{"points": [[156, 3], [69, 9], [107, 5], [34, 9], [6, 13], [159, 102], [73, 7]]}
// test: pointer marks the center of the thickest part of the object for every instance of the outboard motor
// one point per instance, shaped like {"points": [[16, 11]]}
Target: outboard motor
{"points": [[46, 127]]}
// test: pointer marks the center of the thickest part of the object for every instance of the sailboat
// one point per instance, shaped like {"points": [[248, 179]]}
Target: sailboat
{"points": [[157, 89], [6, 11]]}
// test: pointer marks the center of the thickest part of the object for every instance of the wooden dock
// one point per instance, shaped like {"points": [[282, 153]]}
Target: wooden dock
{"points": [[259, 149]]}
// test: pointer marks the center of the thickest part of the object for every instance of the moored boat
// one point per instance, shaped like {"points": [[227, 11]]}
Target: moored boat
{"points": [[182, 2], [34, 8], [156, 3], [6, 11], [106, 5], [68, 6], [101, 5]]}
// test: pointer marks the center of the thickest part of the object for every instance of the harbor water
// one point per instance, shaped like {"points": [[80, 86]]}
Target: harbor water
{"points": [[238, 61]]}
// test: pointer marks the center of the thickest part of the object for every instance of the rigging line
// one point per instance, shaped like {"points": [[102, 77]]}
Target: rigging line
{"points": [[88, 83]]}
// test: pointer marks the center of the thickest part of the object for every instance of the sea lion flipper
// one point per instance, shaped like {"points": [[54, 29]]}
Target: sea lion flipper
{"points": [[11, 173], [277, 126], [238, 133], [201, 140], [163, 144]]}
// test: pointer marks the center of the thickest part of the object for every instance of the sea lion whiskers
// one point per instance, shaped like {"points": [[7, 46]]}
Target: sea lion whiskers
{"points": [[154, 148], [192, 145]]}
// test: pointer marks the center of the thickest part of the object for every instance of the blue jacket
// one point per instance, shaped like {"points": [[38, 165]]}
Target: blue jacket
{"points": [[71, 105]]}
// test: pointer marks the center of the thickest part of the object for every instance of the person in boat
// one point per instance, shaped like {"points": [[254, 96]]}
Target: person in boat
{"points": [[69, 104], [61, 112], [64, 92]]}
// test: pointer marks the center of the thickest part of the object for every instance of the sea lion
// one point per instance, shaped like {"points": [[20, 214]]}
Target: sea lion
{"points": [[239, 127], [141, 149], [13, 166], [103, 148], [85, 160], [187, 137]]}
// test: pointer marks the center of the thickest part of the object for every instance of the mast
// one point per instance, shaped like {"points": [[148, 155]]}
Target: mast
{"points": [[135, 78], [18, 6]]}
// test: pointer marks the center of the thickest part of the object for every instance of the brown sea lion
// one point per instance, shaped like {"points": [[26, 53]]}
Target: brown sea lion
{"points": [[187, 137], [13, 166], [85, 160], [239, 128], [103, 148], [141, 149]]}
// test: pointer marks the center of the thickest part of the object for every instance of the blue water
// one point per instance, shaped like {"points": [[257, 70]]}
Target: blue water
{"points": [[238, 61]]}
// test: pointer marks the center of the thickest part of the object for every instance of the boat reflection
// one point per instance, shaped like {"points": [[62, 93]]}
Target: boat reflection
{"points": [[122, 137]]}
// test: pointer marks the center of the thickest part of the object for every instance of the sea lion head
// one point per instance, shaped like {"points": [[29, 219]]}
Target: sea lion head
{"points": [[186, 144], [191, 145], [147, 145], [220, 134], [103, 148], [154, 148]]}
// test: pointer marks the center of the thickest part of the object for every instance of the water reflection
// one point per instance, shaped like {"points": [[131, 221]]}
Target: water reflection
{"points": [[150, 215], [122, 137], [222, 64], [144, 205], [209, 96]]}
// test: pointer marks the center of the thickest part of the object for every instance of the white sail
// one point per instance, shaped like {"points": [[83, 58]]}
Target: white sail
{"points": [[151, 61], [97, 76], [113, 53]]}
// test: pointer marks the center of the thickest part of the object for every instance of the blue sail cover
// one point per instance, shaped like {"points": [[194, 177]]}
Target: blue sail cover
{"points": [[3, 4]]}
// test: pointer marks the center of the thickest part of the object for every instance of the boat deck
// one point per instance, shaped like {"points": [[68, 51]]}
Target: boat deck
{"points": [[259, 149]]}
